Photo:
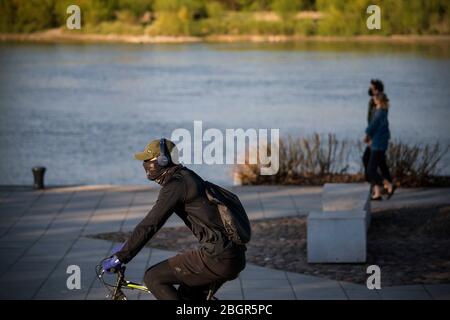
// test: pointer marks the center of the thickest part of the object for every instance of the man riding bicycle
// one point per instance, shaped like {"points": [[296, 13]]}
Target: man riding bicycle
{"points": [[216, 261]]}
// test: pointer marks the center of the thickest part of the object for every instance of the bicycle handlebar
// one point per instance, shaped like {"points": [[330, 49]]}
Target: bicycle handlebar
{"points": [[115, 290]]}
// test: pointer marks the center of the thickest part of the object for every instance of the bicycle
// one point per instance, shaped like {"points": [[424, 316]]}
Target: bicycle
{"points": [[115, 290]]}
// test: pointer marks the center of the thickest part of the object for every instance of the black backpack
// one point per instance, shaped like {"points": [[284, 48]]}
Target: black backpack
{"points": [[231, 211]]}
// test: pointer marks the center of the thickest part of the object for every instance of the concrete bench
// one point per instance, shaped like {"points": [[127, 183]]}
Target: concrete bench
{"points": [[338, 233]]}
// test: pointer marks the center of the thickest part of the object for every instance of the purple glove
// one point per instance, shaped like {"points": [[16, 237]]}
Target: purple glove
{"points": [[111, 265], [117, 248]]}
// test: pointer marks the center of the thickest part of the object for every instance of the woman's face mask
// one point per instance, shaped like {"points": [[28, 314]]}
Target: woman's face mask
{"points": [[152, 169]]}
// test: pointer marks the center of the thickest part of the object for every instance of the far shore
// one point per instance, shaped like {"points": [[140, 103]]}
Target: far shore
{"points": [[57, 36]]}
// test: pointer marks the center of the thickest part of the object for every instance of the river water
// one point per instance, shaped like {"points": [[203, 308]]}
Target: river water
{"points": [[82, 110]]}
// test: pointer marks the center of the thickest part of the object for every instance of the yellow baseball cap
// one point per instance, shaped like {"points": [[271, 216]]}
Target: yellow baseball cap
{"points": [[152, 150]]}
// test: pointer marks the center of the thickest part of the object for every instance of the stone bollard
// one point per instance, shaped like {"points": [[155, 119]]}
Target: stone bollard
{"points": [[38, 173]]}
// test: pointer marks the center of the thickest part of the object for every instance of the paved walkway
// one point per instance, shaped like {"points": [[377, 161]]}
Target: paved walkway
{"points": [[43, 232]]}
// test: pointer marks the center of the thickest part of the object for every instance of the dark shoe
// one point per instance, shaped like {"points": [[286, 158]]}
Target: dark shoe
{"points": [[376, 199], [390, 194]]}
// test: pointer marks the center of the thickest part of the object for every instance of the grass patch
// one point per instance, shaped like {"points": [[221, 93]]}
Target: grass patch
{"points": [[114, 27]]}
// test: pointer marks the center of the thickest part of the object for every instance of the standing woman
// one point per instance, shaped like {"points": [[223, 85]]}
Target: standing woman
{"points": [[376, 87], [378, 135]]}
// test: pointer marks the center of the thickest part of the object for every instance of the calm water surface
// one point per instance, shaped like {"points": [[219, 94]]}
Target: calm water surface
{"points": [[82, 110]]}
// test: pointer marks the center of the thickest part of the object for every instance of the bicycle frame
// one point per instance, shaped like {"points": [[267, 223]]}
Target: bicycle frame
{"points": [[115, 291]]}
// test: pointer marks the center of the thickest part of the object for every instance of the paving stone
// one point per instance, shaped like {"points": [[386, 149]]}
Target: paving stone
{"points": [[314, 288], [278, 203], [265, 284], [38, 243], [306, 199], [269, 294], [229, 294], [439, 291], [359, 292], [256, 272], [415, 292]]}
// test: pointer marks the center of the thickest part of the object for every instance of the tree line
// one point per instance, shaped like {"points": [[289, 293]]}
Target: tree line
{"points": [[204, 17]]}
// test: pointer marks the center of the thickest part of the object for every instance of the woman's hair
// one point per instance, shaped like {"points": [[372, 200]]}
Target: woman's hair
{"points": [[378, 84], [383, 99]]}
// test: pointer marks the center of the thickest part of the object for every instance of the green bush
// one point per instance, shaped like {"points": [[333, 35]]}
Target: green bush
{"points": [[193, 9], [135, 7], [114, 27], [7, 16], [306, 27], [26, 15], [177, 17], [242, 23], [96, 11], [397, 17], [92, 11], [215, 10], [343, 18], [203, 17], [60, 11], [126, 16], [171, 24], [286, 8]]}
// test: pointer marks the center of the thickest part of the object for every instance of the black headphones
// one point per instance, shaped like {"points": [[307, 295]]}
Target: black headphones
{"points": [[164, 157]]}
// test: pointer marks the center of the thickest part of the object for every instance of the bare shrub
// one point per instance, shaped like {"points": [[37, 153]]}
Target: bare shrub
{"points": [[316, 159]]}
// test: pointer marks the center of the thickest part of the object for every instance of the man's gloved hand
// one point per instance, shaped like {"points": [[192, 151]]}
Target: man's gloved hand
{"points": [[117, 248], [111, 265]]}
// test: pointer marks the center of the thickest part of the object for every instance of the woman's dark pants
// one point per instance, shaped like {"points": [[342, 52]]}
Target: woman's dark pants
{"points": [[365, 159], [377, 160]]}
